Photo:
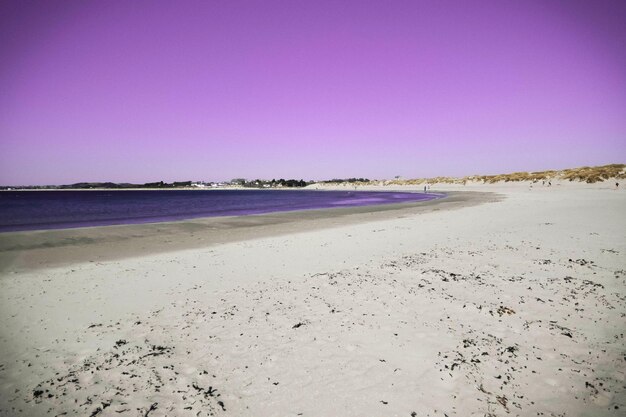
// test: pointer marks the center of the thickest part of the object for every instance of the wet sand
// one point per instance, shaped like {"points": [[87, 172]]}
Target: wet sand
{"points": [[48, 248]]}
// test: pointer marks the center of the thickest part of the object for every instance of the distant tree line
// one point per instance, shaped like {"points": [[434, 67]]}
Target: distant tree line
{"points": [[162, 184], [159, 184], [350, 180]]}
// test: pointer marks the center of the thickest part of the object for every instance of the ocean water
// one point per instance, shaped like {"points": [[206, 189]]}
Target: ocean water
{"points": [[38, 210]]}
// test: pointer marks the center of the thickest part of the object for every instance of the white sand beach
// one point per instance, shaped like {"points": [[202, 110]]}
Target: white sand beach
{"points": [[512, 306]]}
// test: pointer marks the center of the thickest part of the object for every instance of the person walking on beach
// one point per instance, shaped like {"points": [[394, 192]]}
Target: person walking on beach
{"points": [[616, 185], [425, 189]]}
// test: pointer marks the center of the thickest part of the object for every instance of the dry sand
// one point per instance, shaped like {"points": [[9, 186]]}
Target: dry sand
{"points": [[515, 306]]}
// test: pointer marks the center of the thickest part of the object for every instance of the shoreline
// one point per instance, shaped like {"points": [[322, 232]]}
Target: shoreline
{"points": [[37, 249], [171, 215]]}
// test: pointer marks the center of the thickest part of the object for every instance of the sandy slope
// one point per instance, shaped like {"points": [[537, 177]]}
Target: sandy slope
{"points": [[514, 307]]}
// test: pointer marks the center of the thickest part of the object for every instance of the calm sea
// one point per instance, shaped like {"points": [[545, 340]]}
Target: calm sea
{"points": [[36, 210]]}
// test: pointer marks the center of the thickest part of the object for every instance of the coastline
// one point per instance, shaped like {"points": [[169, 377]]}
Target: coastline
{"points": [[513, 307], [21, 213], [38, 249]]}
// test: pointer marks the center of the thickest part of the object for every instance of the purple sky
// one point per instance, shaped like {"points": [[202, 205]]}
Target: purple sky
{"points": [[210, 90]]}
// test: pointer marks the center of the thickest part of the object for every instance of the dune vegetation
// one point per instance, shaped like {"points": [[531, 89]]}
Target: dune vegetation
{"points": [[583, 174]]}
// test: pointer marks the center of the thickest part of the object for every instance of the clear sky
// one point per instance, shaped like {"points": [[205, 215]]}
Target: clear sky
{"points": [[174, 90]]}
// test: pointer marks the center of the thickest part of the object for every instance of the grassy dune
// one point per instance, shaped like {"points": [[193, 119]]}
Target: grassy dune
{"points": [[583, 174]]}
